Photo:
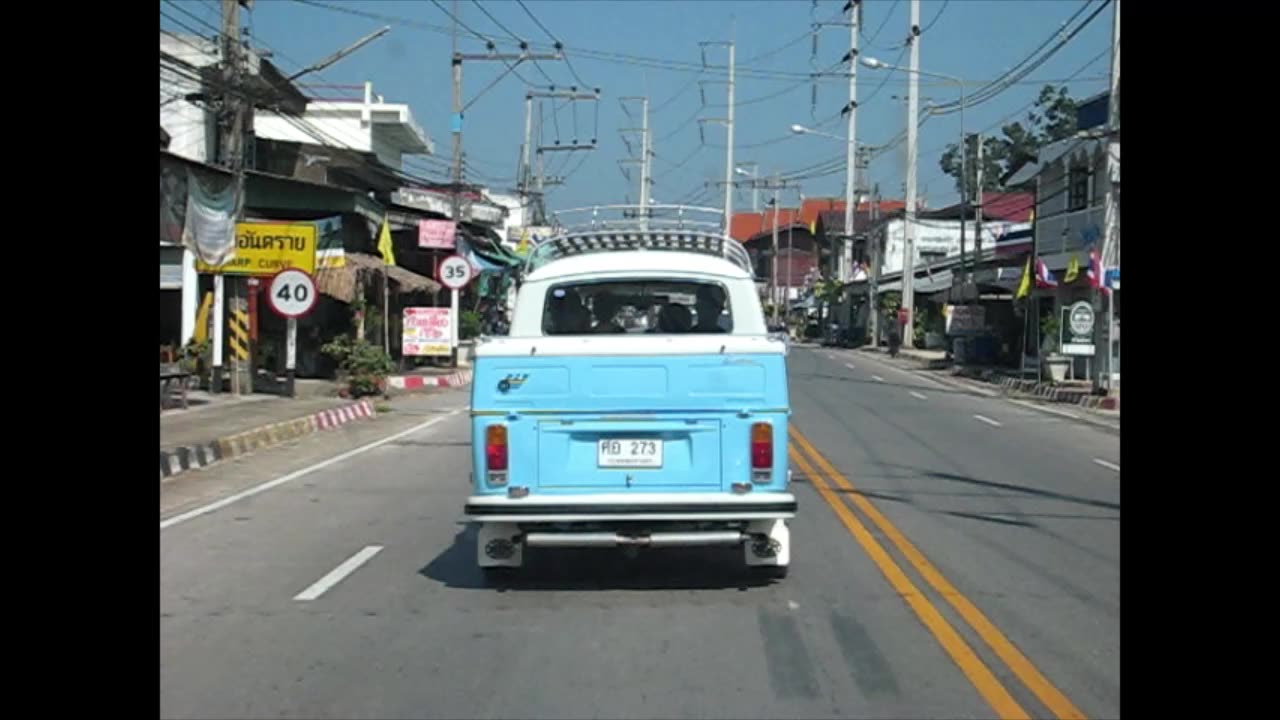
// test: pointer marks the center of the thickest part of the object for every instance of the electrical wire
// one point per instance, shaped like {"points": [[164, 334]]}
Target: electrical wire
{"points": [[937, 15], [515, 37], [887, 16], [557, 44], [598, 55], [1025, 66]]}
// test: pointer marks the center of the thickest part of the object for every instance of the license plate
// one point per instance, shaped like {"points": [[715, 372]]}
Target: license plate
{"points": [[629, 453]]}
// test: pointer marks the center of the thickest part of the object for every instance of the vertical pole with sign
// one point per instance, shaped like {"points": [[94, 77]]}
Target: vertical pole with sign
{"points": [[455, 273], [290, 357], [219, 323]]}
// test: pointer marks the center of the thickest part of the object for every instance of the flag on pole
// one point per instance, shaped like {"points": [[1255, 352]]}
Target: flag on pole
{"points": [[1073, 270], [1024, 287], [1044, 278], [1096, 273], [384, 244]]}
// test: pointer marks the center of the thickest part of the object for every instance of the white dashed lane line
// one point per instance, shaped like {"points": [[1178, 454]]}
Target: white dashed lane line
{"points": [[987, 420]]}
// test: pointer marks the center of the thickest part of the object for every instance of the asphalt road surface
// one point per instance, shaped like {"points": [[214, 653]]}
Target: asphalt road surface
{"points": [[955, 556]]}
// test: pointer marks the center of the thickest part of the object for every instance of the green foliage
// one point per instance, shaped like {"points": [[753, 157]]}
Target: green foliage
{"points": [[364, 365], [1049, 327], [1052, 118], [469, 324], [195, 355]]}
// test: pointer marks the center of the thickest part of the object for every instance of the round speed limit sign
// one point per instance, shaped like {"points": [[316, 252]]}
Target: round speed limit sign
{"points": [[292, 293], [455, 272]]}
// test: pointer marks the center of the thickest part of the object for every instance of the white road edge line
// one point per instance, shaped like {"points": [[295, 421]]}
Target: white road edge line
{"points": [[877, 378], [219, 504], [915, 394], [987, 420], [337, 574], [1107, 465]]}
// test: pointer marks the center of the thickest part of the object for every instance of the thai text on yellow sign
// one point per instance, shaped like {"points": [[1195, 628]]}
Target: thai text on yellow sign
{"points": [[267, 248]]}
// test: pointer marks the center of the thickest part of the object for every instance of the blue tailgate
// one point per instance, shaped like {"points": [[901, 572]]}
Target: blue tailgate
{"points": [[675, 423]]}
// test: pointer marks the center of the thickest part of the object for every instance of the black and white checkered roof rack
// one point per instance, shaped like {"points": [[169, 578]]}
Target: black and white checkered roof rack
{"points": [[612, 228]]}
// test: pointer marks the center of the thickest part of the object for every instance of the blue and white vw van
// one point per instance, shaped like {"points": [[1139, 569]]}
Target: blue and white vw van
{"points": [[638, 402]]}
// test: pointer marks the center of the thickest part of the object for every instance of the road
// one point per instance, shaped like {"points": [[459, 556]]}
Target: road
{"points": [[955, 556]]}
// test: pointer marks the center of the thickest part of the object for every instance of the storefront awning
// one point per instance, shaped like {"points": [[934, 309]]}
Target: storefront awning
{"points": [[341, 283]]}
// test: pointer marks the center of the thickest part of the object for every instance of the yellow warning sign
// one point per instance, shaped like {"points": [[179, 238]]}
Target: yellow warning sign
{"points": [[267, 248]]}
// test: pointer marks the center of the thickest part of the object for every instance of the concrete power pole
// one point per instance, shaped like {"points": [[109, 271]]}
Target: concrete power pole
{"points": [[534, 182], [909, 246], [1111, 243], [236, 110], [728, 163], [727, 120], [646, 154], [844, 270], [977, 216]]}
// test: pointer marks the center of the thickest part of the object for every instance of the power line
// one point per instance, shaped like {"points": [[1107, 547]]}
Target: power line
{"points": [[884, 22], [598, 55], [1025, 66], [935, 17], [559, 46], [515, 37]]}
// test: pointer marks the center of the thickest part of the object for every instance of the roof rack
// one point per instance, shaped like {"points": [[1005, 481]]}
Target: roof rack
{"points": [[637, 217], [643, 233]]}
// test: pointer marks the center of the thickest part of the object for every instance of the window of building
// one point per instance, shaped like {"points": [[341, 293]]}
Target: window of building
{"points": [[1078, 190]]}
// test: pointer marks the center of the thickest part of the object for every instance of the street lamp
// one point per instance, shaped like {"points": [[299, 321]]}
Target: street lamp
{"points": [[873, 274], [876, 64]]}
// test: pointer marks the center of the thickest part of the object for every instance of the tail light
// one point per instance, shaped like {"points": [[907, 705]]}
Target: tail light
{"points": [[495, 447], [762, 446]]}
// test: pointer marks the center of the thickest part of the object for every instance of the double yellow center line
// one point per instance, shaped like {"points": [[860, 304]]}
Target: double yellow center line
{"points": [[806, 456]]}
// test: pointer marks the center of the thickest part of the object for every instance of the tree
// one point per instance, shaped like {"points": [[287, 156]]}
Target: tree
{"points": [[1051, 118]]}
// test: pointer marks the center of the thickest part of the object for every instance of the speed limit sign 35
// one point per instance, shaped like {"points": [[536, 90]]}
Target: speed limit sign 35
{"points": [[455, 272], [292, 293]]}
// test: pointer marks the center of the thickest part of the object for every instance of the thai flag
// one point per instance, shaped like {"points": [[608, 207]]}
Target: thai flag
{"points": [[1096, 272], [1044, 278]]}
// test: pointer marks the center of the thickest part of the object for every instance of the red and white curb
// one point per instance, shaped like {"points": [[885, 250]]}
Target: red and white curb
{"points": [[327, 419], [417, 382]]}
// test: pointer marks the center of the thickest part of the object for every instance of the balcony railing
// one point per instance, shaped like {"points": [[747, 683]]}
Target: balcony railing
{"points": [[1069, 231]]}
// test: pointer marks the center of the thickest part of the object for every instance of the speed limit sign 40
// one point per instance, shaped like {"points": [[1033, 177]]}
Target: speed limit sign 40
{"points": [[292, 293], [455, 272]]}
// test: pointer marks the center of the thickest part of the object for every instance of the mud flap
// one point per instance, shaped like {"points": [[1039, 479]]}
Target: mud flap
{"points": [[772, 550], [498, 545]]}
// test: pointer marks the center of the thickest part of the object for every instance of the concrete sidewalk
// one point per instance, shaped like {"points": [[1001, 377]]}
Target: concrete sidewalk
{"points": [[218, 427], [1008, 381]]}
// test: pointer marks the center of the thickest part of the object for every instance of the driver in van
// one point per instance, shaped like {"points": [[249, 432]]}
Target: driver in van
{"points": [[710, 305]]}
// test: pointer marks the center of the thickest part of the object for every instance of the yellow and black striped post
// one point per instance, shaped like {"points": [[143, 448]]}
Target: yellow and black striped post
{"points": [[238, 342]]}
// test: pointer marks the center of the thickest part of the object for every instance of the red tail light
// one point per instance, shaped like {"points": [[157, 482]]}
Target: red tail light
{"points": [[761, 446], [495, 447]]}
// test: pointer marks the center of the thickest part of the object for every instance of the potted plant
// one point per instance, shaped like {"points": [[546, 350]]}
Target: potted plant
{"points": [[1055, 364]]}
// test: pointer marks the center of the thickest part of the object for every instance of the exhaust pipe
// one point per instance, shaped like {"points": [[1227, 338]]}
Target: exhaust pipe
{"points": [[658, 539]]}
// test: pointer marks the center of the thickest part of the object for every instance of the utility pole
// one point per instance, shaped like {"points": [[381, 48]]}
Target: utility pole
{"points": [[728, 123], [873, 274], [854, 8], [529, 179], [511, 60], [773, 262], [235, 110], [977, 217], [646, 153], [909, 246], [1111, 243]]}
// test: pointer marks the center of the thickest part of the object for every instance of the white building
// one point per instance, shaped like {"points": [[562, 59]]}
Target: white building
{"points": [[353, 118]]}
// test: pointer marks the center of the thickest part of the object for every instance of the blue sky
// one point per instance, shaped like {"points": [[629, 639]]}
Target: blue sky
{"points": [[973, 39]]}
